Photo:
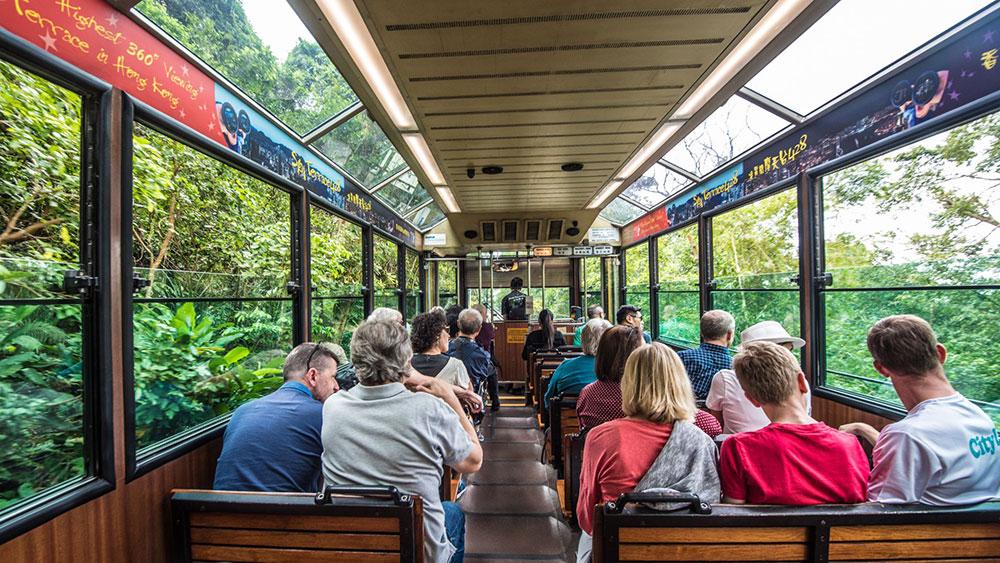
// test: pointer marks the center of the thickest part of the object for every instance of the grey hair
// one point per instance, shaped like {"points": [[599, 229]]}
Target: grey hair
{"points": [[715, 324], [591, 335], [381, 352], [297, 361], [386, 314], [469, 321], [592, 311]]}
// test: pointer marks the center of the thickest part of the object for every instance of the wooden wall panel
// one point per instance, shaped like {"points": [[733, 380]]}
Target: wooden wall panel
{"points": [[834, 414], [131, 523]]}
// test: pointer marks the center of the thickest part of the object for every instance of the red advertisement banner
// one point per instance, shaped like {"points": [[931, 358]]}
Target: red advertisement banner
{"points": [[98, 39], [653, 222]]}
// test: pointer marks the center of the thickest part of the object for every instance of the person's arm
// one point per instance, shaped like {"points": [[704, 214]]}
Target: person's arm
{"points": [[716, 396], [865, 431], [590, 488], [553, 389], [443, 391]]}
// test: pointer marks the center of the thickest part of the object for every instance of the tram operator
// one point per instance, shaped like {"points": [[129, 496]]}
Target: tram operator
{"points": [[514, 304]]}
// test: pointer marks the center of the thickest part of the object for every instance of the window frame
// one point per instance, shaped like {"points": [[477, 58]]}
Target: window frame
{"points": [[324, 206], [96, 141]]}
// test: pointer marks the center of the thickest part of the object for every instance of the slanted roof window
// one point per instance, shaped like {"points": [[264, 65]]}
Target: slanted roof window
{"points": [[362, 149], [261, 47], [403, 194], [427, 217], [619, 212], [656, 185]]}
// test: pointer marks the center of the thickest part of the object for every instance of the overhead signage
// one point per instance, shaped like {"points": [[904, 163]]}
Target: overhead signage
{"points": [[583, 251], [602, 234], [604, 250], [542, 251], [98, 39], [435, 239], [955, 74], [562, 251]]}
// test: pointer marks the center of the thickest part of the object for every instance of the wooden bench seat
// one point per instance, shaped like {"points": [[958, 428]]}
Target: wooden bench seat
{"points": [[864, 532], [563, 421], [363, 524]]}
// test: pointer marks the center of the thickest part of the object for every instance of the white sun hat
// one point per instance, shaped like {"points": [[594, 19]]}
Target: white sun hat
{"points": [[770, 331]]}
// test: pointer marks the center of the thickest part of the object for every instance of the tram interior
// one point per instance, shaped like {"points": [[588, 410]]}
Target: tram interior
{"points": [[191, 190]]}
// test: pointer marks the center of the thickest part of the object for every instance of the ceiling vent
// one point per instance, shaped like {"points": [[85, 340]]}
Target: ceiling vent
{"points": [[471, 234], [510, 231], [489, 230], [555, 229], [532, 230]]}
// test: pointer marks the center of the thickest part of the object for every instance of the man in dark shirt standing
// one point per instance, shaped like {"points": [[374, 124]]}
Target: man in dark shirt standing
{"points": [[514, 304], [273, 443]]}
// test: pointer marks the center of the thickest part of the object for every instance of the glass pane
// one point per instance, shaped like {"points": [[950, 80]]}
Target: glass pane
{"points": [[925, 215], [262, 47], [677, 265], [196, 361], [637, 277], [591, 270], [555, 299], [427, 217], [362, 149], [334, 319], [336, 255], [185, 205], [656, 185], [732, 129], [203, 352], [823, 65], [386, 265], [964, 320], [413, 274], [42, 428], [447, 283], [403, 194], [620, 212], [755, 256]]}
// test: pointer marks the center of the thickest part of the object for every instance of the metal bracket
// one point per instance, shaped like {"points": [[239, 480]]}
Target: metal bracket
{"points": [[77, 281], [139, 283], [825, 279], [293, 287]]}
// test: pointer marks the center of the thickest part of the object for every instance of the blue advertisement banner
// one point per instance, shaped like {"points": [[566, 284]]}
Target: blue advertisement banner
{"points": [[248, 133], [958, 73]]}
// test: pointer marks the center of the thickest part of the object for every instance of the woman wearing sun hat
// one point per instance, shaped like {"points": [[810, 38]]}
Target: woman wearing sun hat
{"points": [[726, 399]]}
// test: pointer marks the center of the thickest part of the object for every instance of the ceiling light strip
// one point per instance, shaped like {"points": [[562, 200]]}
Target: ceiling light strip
{"points": [[350, 27], [418, 146], [448, 198]]}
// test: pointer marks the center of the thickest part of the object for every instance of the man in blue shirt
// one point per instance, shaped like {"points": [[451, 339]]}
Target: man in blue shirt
{"points": [[464, 347], [703, 362], [273, 443], [576, 373]]}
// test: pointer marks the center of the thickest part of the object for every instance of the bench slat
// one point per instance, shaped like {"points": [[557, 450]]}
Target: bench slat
{"points": [[260, 554], [714, 552], [914, 532], [319, 538], [292, 522], [709, 535], [915, 549]]}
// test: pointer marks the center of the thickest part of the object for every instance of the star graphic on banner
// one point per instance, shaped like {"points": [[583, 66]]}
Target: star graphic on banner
{"points": [[112, 20], [184, 70], [968, 54], [50, 42], [953, 95], [183, 114], [211, 126], [988, 36]]}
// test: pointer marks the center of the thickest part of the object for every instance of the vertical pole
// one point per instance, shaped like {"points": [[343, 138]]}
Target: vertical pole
{"points": [[654, 287], [299, 285], [543, 283], [463, 283], [811, 306], [705, 283], [401, 282], [489, 308], [368, 267], [479, 268]]}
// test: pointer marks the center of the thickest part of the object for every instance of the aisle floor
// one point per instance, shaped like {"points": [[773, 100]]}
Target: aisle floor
{"points": [[512, 506]]}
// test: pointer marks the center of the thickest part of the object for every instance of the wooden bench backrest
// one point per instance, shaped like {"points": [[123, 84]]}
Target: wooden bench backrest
{"points": [[572, 463], [291, 527], [867, 532], [563, 420]]}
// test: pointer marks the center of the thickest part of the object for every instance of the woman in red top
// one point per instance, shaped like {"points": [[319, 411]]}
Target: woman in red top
{"points": [[601, 400], [655, 394]]}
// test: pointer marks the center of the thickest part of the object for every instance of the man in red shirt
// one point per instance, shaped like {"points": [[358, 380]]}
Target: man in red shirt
{"points": [[795, 460]]}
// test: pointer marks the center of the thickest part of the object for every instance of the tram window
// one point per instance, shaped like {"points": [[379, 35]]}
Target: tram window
{"points": [[447, 279], [386, 265], [360, 146], [413, 304], [211, 330], [917, 231], [283, 69], [338, 305], [590, 271], [620, 212], [404, 194], [42, 428], [755, 256], [677, 266], [555, 299], [427, 216], [637, 277]]}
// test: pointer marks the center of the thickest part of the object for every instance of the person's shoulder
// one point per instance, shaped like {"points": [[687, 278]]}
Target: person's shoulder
{"points": [[687, 352]]}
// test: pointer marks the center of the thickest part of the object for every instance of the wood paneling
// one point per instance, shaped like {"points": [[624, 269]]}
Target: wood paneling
{"points": [[835, 414], [131, 523]]}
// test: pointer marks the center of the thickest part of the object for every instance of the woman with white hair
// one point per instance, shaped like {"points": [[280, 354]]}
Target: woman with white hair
{"points": [[386, 314], [576, 373], [398, 428]]}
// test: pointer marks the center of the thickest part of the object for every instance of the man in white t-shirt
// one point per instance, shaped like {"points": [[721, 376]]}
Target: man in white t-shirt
{"points": [[726, 399], [945, 451]]}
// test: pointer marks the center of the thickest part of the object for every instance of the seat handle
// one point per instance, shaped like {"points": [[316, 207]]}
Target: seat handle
{"points": [[695, 504], [367, 491]]}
